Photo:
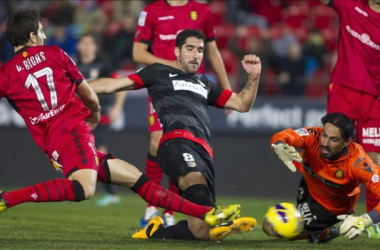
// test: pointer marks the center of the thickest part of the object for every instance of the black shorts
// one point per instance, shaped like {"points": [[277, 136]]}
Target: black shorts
{"points": [[316, 216], [178, 157]]}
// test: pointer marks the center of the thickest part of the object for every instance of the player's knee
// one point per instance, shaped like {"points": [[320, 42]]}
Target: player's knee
{"points": [[200, 230], [89, 191], [153, 146]]}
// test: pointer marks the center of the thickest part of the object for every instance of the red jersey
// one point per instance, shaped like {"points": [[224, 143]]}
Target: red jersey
{"points": [[358, 64], [40, 83], [159, 23], [332, 183]]}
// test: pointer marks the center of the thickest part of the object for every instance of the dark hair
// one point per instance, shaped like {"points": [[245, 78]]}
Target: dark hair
{"points": [[342, 122], [19, 25], [184, 34]]}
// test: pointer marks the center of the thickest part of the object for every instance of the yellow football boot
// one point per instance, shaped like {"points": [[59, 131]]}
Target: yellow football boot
{"points": [[239, 226], [149, 229]]}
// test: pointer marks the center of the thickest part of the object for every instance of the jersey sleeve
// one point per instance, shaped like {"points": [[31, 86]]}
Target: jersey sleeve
{"points": [[144, 29], [145, 77], [209, 29], [298, 138], [368, 174], [71, 68], [217, 96]]}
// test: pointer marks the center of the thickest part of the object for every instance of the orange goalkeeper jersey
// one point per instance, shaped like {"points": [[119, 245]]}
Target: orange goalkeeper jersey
{"points": [[332, 183]]}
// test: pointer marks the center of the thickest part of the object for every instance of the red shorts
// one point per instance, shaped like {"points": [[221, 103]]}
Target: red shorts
{"points": [[154, 123], [364, 110], [76, 151]]}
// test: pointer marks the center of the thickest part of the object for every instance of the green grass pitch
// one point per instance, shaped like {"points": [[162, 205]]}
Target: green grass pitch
{"points": [[85, 226]]}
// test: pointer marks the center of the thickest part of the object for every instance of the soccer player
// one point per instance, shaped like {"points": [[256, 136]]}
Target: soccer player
{"points": [[41, 83], [154, 42], [333, 167], [355, 81], [180, 97], [92, 66]]}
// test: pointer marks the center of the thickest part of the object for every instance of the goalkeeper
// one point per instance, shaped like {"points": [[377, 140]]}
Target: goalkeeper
{"points": [[333, 167]]}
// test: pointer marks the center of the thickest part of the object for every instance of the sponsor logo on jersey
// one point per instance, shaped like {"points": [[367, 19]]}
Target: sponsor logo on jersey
{"points": [[46, 115], [371, 136], [142, 18], [364, 38], [172, 75], [167, 37], [302, 132], [193, 15], [189, 86], [339, 174], [375, 178], [361, 11], [163, 18], [24, 54]]}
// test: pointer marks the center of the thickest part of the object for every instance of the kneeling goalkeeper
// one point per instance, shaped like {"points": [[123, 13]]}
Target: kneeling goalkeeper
{"points": [[333, 167]]}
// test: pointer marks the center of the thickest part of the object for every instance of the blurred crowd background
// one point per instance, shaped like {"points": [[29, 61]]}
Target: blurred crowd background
{"points": [[295, 39]]}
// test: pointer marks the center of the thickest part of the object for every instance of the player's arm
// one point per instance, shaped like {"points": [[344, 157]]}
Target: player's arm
{"points": [[141, 54], [91, 101], [352, 225], [284, 144], [216, 61], [111, 85], [243, 101]]}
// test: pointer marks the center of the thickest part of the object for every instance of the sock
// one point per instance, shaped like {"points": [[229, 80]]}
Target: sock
{"points": [[161, 197], [371, 200], [48, 191], [179, 231], [174, 189], [152, 169]]}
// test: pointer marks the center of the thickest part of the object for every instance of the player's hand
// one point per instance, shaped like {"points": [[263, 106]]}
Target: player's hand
{"points": [[287, 155], [352, 226], [251, 64]]}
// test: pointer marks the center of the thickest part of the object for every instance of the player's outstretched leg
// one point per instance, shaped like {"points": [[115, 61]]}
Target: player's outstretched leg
{"points": [[49, 191], [127, 175], [239, 226]]}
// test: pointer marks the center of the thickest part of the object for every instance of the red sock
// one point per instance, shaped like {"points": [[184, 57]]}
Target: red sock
{"points": [[153, 170], [49, 191], [371, 200], [161, 197], [175, 190]]}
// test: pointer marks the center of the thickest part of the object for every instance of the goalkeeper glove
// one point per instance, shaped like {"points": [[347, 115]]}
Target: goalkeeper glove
{"points": [[352, 226], [287, 155]]}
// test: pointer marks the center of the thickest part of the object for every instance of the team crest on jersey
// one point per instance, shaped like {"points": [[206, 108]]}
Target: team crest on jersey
{"points": [[24, 54], [339, 174], [302, 132], [193, 15], [151, 120]]}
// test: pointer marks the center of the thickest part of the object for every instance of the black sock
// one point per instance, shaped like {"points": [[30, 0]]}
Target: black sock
{"points": [[179, 231]]}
